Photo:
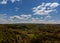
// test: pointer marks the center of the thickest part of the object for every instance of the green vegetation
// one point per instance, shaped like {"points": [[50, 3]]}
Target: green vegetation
{"points": [[29, 33]]}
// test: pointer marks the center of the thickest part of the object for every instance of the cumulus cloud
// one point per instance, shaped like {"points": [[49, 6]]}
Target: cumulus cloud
{"points": [[3, 2], [45, 8], [22, 17], [6, 1], [48, 17], [26, 15], [14, 19], [54, 5]]}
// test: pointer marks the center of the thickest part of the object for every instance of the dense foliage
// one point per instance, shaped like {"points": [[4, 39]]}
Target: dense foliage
{"points": [[29, 33]]}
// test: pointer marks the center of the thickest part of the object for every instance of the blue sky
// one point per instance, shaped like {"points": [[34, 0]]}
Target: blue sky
{"points": [[30, 11]]}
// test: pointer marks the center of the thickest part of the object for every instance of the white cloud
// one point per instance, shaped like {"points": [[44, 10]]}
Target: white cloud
{"points": [[6, 1], [48, 17], [40, 21], [3, 18], [22, 17], [43, 12], [14, 1], [25, 15], [36, 20], [45, 8], [53, 5], [47, 4], [14, 17], [3, 2]]}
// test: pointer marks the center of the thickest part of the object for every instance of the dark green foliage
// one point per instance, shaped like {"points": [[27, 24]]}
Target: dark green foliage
{"points": [[29, 33]]}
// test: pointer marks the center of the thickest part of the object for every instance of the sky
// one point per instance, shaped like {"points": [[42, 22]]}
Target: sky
{"points": [[30, 11]]}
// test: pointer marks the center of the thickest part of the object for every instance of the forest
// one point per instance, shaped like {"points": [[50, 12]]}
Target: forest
{"points": [[29, 33]]}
